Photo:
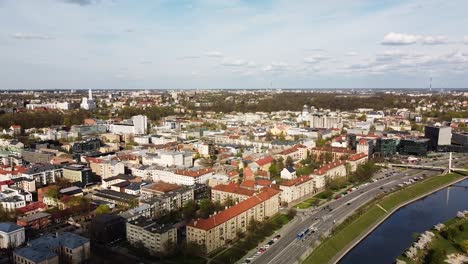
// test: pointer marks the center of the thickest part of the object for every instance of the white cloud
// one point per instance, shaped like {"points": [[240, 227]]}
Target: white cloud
{"points": [[315, 59], [276, 67], [396, 39], [465, 40], [21, 35], [351, 54], [393, 38], [233, 62], [215, 54], [434, 40]]}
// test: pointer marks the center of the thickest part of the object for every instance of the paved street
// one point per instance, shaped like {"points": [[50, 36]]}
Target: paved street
{"points": [[289, 249]]}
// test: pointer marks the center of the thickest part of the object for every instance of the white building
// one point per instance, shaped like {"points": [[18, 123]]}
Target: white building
{"points": [[88, 103], [137, 125], [288, 173], [11, 235]]}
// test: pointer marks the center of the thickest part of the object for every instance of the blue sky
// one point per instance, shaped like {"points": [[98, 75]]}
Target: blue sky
{"points": [[168, 44]]}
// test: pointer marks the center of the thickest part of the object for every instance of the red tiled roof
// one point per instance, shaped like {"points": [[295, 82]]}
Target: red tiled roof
{"points": [[248, 184], [263, 182], [194, 173], [94, 160], [289, 150], [223, 216], [357, 156], [233, 188], [32, 207], [362, 141], [327, 167], [333, 149], [264, 161], [296, 181], [16, 170]]}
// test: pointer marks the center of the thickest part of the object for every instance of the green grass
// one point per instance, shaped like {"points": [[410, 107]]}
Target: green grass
{"points": [[441, 243], [324, 195], [308, 203], [346, 232]]}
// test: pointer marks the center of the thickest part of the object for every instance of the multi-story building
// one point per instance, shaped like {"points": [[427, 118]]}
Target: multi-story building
{"points": [[330, 171], [297, 188], [215, 231], [357, 159], [156, 238], [413, 146], [78, 173], [35, 221], [44, 174], [66, 248], [333, 154], [168, 158], [222, 192], [322, 120], [107, 228], [438, 136], [11, 235], [386, 147], [118, 198]]}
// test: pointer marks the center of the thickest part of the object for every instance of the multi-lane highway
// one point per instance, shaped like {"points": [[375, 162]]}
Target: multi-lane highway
{"points": [[289, 248]]}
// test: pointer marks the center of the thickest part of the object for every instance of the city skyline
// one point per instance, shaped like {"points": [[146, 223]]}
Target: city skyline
{"points": [[102, 44]]}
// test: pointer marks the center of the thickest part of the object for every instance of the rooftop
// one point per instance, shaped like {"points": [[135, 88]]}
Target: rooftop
{"points": [[231, 212]]}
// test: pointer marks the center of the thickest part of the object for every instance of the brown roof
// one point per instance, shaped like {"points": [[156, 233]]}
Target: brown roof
{"points": [[223, 216], [161, 187], [264, 161], [327, 167], [248, 183], [233, 188], [357, 156], [296, 181], [194, 173], [333, 149]]}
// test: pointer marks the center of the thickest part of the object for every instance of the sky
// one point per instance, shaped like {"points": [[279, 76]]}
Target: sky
{"points": [[213, 44]]}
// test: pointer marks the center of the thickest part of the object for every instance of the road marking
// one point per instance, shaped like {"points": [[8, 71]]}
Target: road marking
{"points": [[382, 208]]}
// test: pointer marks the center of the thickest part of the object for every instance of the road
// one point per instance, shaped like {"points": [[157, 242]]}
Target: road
{"points": [[289, 249]]}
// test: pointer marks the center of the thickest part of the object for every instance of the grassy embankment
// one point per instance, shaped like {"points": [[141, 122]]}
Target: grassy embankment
{"points": [[368, 215]]}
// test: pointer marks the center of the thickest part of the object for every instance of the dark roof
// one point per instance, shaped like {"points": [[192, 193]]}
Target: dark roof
{"points": [[8, 227]]}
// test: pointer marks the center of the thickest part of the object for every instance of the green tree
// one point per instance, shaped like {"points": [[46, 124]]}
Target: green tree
{"points": [[102, 209], [289, 162]]}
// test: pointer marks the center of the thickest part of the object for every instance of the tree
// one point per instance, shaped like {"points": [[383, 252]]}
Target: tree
{"points": [[189, 210], [435, 256], [289, 162], [102, 209], [292, 213], [52, 192]]}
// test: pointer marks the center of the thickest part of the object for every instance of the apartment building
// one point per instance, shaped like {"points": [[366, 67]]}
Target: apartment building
{"points": [[155, 237], [215, 231], [222, 192], [296, 188]]}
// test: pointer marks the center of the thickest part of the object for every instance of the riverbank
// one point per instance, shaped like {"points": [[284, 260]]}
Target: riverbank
{"points": [[449, 242], [367, 218]]}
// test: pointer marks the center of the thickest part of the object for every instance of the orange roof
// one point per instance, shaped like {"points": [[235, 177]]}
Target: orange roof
{"points": [[223, 216], [296, 181], [16, 170], [194, 173], [233, 188], [333, 149], [327, 167], [362, 141], [263, 182], [289, 150], [264, 161], [357, 156], [94, 160], [248, 184]]}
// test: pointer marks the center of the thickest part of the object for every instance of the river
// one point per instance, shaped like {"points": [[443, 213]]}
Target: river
{"points": [[396, 234]]}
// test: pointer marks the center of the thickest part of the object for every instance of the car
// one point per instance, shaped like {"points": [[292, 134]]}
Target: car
{"points": [[348, 204], [266, 246], [271, 242], [278, 236], [381, 187]]}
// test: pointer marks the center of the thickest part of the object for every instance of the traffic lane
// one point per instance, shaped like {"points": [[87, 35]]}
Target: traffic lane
{"points": [[335, 214], [295, 252], [287, 239]]}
